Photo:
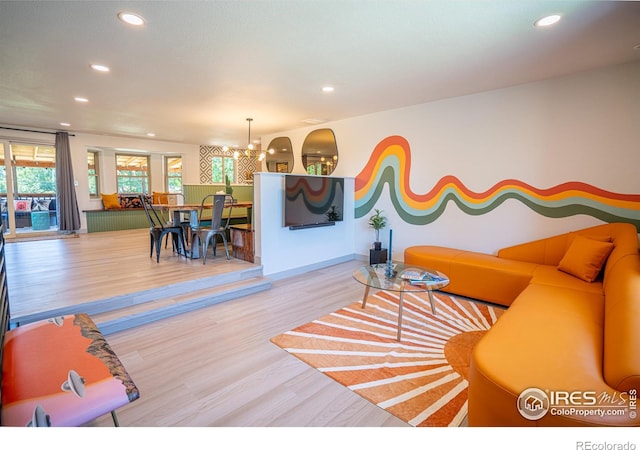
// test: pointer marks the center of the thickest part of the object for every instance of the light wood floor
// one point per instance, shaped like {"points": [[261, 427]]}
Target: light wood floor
{"points": [[53, 273], [216, 366], [212, 367]]}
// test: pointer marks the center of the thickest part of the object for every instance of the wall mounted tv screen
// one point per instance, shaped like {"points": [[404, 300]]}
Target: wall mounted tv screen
{"points": [[312, 201]]}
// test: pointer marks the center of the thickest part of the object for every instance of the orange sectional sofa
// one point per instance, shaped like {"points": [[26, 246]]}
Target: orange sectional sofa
{"points": [[567, 350]]}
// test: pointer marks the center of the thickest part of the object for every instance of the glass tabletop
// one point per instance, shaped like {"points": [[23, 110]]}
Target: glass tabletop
{"points": [[403, 278]]}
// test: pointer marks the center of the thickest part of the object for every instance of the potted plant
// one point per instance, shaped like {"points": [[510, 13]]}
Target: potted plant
{"points": [[333, 214], [228, 187], [377, 221]]}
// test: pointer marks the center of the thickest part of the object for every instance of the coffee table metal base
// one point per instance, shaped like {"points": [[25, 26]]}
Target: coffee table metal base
{"points": [[400, 306]]}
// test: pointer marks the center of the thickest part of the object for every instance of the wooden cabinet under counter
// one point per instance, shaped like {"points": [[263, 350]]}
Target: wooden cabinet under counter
{"points": [[242, 241]]}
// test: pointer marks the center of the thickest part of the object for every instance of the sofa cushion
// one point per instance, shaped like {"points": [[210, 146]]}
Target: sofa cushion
{"points": [[160, 198], [549, 251], [22, 205], [551, 276], [585, 258], [40, 204], [110, 201], [621, 330], [625, 239], [131, 201], [476, 275]]}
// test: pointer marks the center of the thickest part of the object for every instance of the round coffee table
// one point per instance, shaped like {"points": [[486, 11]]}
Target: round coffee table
{"points": [[399, 279]]}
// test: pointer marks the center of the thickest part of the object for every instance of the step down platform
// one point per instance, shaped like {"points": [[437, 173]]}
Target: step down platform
{"points": [[132, 310]]}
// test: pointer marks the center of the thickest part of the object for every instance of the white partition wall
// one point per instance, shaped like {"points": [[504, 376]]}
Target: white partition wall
{"points": [[284, 252]]}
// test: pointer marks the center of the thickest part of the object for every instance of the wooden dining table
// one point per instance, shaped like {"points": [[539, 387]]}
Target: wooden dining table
{"points": [[193, 209]]}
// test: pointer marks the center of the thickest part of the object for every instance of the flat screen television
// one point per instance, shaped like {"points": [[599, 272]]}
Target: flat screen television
{"points": [[312, 201]]}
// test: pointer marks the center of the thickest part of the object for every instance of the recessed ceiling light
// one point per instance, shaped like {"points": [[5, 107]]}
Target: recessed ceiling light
{"points": [[131, 18], [548, 20], [314, 121], [65, 124], [327, 89], [151, 134], [99, 68], [81, 99]]}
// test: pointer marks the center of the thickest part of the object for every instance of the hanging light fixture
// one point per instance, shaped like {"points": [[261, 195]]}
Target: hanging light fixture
{"points": [[249, 144], [249, 149]]}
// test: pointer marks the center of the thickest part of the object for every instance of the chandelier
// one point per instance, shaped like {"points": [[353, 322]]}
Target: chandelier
{"points": [[249, 150]]}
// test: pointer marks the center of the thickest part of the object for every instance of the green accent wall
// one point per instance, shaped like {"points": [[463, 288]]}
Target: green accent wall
{"points": [[194, 193], [116, 220], [129, 219]]}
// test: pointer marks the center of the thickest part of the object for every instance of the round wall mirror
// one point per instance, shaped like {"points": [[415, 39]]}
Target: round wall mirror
{"points": [[320, 152], [280, 155]]}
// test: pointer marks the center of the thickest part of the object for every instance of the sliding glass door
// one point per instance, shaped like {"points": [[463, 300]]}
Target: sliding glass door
{"points": [[28, 188]]}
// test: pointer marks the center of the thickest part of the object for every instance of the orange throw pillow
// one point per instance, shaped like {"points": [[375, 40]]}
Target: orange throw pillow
{"points": [[585, 257], [159, 198], [110, 201]]}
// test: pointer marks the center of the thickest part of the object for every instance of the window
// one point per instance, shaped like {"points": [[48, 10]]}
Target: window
{"points": [[222, 167], [35, 168], [132, 173], [318, 168], [173, 171], [94, 180]]}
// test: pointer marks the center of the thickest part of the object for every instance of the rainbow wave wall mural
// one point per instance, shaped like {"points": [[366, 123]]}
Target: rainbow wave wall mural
{"points": [[390, 163]]}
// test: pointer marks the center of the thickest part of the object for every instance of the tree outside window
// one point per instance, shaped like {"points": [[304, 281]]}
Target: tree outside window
{"points": [[35, 169], [132, 172], [222, 167], [36, 180]]}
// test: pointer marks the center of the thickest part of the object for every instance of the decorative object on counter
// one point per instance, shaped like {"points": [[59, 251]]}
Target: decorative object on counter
{"points": [[389, 272], [228, 188], [333, 214], [377, 254], [421, 277], [377, 221]]}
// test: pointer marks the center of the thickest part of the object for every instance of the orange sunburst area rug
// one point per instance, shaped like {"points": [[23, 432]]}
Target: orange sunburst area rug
{"points": [[423, 379]]}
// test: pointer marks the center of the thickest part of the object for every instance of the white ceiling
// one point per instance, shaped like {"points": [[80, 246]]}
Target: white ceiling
{"points": [[198, 69]]}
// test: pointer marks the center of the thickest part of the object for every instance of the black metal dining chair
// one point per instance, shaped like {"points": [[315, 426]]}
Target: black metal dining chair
{"points": [[219, 226], [176, 199], [158, 228]]}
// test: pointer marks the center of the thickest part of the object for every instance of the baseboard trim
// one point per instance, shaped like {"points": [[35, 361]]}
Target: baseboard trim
{"points": [[311, 267]]}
